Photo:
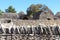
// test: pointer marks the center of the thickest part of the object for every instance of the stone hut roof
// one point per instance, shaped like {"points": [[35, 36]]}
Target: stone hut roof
{"points": [[23, 16], [58, 15], [43, 15], [9, 15]]}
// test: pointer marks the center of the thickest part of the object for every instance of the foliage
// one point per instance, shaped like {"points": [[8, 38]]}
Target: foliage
{"points": [[10, 9], [36, 8], [1, 12]]}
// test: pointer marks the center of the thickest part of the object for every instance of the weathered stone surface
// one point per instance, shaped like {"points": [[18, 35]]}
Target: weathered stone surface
{"points": [[29, 29], [43, 15], [9, 15], [57, 15]]}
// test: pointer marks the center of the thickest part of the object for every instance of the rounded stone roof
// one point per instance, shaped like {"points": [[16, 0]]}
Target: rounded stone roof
{"points": [[43, 15], [58, 14]]}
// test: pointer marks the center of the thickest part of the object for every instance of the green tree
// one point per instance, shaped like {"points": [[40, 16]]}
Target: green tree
{"points": [[35, 8], [1, 12], [10, 9]]}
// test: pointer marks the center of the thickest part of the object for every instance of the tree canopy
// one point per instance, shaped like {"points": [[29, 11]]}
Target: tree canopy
{"points": [[10, 9], [1, 11], [36, 8]]}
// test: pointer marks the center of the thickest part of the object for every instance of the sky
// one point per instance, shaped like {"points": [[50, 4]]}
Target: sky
{"points": [[22, 5]]}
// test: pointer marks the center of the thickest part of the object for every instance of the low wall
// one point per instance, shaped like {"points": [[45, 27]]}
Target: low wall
{"points": [[36, 22]]}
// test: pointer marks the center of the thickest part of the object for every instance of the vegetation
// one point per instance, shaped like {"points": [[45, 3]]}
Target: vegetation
{"points": [[10, 9], [30, 10], [1, 12], [36, 8]]}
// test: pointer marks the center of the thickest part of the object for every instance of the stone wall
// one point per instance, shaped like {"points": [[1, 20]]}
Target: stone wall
{"points": [[24, 28], [36, 22]]}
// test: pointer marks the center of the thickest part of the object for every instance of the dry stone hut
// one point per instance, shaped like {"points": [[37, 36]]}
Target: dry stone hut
{"points": [[57, 15], [31, 29], [43, 15], [23, 16]]}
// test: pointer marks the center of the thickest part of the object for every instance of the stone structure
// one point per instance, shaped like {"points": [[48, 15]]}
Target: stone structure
{"points": [[57, 15], [44, 28], [9, 15], [16, 29], [43, 16], [39, 16], [29, 30]]}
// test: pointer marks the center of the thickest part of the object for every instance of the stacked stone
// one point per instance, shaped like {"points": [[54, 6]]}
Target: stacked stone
{"points": [[30, 33], [32, 30]]}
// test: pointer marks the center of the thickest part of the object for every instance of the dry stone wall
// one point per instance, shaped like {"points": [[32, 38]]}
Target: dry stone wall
{"points": [[36, 22], [29, 29]]}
